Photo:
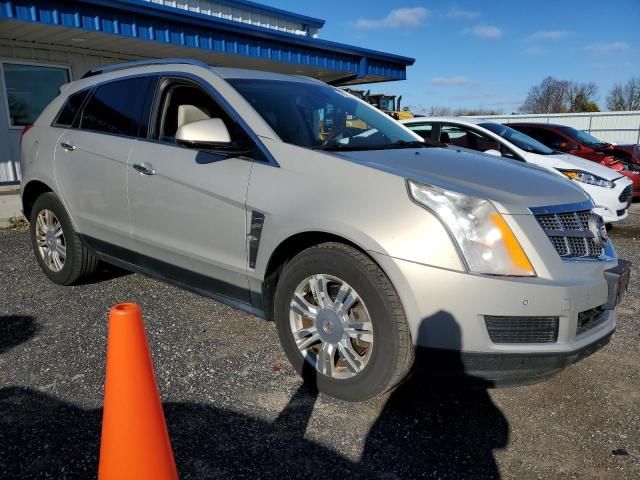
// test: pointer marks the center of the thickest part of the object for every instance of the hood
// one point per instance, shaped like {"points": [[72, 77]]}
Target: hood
{"points": [[511, 185], [571, 162]]}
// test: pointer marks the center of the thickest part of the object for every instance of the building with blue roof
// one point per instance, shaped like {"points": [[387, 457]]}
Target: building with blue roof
{"points": [[46, 43]]}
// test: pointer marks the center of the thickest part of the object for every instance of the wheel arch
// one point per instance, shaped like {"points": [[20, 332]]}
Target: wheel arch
{"points": [[291, 246], [30, 193]]}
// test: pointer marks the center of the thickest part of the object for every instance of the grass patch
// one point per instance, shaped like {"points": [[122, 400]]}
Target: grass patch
{"points": [[16, 223]]}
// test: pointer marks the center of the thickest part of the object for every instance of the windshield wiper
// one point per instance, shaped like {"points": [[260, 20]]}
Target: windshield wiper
{"points": [[341, 147], [413, 144], [386, 146]]}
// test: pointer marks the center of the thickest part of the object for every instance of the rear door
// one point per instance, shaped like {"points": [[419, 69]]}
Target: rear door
{"points": [[91, 160], [188, 206]]}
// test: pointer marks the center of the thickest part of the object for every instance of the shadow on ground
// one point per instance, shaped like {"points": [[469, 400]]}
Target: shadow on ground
{"points": [[421, 432], [105, 272], [16, 329]]}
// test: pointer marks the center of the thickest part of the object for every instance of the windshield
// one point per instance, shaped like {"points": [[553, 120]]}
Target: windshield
{"points": [[387, 104], [519, 139], [315, 115], [582, 137]]}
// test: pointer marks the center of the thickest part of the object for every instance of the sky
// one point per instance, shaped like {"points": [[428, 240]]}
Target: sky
{"points": [[488, 54]]}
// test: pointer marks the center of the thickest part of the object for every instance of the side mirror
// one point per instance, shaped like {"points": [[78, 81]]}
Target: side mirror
{"points": [[493, 152], [209, 134]]}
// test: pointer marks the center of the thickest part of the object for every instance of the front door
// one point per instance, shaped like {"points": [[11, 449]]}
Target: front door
{"points": [[187, 206]]}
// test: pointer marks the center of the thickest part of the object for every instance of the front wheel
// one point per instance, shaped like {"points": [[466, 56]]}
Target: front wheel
{"points": [[61, 254], [341, 322]]}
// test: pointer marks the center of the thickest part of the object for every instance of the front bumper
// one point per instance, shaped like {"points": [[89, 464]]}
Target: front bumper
{"points": [[498, 369], [607, 200], [446, 309]]}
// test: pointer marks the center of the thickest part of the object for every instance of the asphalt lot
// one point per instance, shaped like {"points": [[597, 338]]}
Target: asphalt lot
{"points": [[235, 409]]}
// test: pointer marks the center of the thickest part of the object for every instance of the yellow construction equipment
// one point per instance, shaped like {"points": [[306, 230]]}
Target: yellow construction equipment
{"points": [[389, 104]]}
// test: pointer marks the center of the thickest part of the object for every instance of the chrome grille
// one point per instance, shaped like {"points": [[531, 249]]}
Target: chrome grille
{"points": [[569, 234], [626, 194]]}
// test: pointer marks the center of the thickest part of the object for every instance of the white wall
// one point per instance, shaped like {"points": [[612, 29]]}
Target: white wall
{"points": [[612, 127]]}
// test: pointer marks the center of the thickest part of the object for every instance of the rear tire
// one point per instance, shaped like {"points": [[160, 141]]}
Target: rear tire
{"points": [[349, 352], [63, 257]]}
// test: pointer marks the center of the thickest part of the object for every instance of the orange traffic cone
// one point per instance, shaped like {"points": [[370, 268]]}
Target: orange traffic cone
{"points": [[135, 443]]}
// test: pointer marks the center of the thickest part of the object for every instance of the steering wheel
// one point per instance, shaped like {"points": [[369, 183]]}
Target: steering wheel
{"points": [[333, 136]]}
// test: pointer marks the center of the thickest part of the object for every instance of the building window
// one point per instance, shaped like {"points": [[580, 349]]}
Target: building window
{"points": [[29, 90]]}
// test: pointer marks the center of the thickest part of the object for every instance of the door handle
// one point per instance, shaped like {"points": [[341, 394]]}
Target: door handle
{"points": [[68, 146], [144, 168]]}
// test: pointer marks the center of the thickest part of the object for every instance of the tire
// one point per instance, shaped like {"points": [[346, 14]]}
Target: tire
{"points": [[48, 214], [383, 352]]}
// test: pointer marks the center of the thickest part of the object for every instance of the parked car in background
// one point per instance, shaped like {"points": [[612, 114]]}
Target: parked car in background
{"points": [[610, 190], [623, 158], [364, 245]]}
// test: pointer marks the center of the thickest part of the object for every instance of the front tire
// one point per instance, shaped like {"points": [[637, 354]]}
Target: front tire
{"points": [[63, 257], [341, 323]]}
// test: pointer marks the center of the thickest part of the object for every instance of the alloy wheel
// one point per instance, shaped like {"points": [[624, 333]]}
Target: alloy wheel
{"points": [[50, 240], [331, 326]]}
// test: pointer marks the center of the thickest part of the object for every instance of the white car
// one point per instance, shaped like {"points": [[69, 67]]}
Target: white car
{"points": [[610, 191]]}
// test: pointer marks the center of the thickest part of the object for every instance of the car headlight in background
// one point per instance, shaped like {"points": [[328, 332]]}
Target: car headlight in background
{"points": [[586, 177], [484, 238]]}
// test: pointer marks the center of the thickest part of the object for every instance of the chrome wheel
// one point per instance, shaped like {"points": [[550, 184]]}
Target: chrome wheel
{"points": [[331, 326], [50, 240]]}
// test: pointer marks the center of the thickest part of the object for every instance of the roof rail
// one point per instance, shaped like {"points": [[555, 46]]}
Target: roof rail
{"points": [[142, 63]]}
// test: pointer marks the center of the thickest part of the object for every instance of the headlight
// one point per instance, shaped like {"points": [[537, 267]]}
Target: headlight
{"points": [[586, 177], [485, 240]]}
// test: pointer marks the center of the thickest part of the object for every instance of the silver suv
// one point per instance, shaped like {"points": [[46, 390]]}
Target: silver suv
{"points": [[291, 199]]}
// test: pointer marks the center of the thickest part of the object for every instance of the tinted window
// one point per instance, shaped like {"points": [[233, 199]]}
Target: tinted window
{"points": [[467, 138], [422, 129], [70, 109], [118, 107], [315, 115], [548, 137], [517, 138]]}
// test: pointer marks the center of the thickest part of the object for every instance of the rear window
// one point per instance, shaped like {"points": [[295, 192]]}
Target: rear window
{"points": [[71, 108], [118, 108]]}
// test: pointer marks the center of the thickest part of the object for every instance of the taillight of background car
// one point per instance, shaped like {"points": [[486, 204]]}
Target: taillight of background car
{"points": [[25, 130]]}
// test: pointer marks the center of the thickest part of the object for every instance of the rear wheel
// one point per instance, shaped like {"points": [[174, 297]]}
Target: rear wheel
{"points": [[341, 323], [60, 253]]}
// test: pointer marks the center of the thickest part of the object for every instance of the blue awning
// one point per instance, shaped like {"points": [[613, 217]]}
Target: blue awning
{"points": [[211, 39]]}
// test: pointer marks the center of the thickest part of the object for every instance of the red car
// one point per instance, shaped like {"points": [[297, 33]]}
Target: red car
{"points": [[624, 158]]}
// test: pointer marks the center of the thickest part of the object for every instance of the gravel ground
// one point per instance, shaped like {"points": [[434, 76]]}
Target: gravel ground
{"points": [[235, 409]]}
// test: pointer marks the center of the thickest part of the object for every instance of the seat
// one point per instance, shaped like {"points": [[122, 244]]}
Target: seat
{"points": [[190, 114], [444, 137]]}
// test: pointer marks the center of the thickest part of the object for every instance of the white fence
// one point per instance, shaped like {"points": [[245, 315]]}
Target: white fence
{"points": [[612, 127]]}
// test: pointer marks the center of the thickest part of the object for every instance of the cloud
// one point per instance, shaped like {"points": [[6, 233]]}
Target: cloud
{"points": [[535, 50], [475, 96], [396, 19], [549, 35], [484, 31], [457, 81], [460, 14], [611, 48]]}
